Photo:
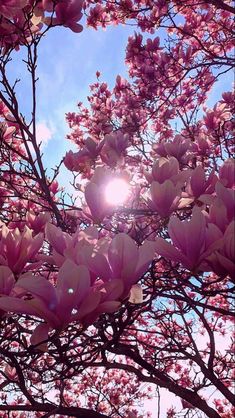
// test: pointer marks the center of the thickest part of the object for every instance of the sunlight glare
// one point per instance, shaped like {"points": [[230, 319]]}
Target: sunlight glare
{"points": [[116, 192]]}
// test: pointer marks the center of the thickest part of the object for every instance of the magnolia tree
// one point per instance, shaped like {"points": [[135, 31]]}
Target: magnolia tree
{"points": [[108, 299]]}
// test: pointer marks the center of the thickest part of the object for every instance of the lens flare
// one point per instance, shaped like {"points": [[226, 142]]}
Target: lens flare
{"points": [[116, 192]]}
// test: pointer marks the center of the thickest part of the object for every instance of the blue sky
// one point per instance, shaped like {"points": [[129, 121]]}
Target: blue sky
{"points": [[66, 66]]}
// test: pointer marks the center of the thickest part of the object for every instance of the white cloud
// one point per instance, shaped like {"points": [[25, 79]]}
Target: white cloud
{"points": [[43, 133]]}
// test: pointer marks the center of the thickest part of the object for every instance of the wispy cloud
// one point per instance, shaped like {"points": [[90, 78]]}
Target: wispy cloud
{"points": [[44, 133]]}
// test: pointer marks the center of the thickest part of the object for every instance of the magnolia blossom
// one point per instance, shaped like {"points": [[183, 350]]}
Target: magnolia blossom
{"points": [[198, 184], [68, 13], [164, 197], [222, 260], [73, 298], [7, 280], [53, 304], [74, 247], [18, 248], [95, 194], [227, 173], [193, 241], [106, 259], [10, 8], [76, 161], [121, 259], [37, 222], [115, 144]]}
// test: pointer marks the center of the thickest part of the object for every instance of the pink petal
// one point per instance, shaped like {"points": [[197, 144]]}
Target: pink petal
{"points": [[10, 304], [108, 307], [7, 280], [146, 255], [197, 181], [89, 304], [189, 236], [166, 250], [73, 284], [39, 287], [99, 265], [95, 201], [122, 254], [39, 335], [56, 238], [113, 289]]}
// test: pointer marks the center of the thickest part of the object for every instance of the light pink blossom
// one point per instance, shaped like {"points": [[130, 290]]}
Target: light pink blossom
{"points": [[164, 197], [18, 248], [192, 240]]}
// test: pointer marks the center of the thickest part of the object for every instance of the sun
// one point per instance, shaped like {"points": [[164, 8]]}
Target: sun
{"points": [[116, 192]]}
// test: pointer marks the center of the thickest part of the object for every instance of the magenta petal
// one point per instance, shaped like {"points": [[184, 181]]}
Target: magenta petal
{"points": [[89, 304], [40, 288], [166, 250], [39, 335], [7, 280], [165, 197], [99, 265], [228, 198], [56, 238], [189, 236], [146, 255], [10, 304], [33, 307], [72, 286], [198, 181], [113, 289], [94, 201], [227, 264], [108, 307], [122, 254]]}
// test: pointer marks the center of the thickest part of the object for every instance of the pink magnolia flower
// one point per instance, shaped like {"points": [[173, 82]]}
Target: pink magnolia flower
{"points": [[53, 305], [74, 247], [7, 280], [75, 161], [178, 147], [37, 222], [68, 12], [227, 196], [202, 146], [117, 140], [18, 248], [95, 194], [103, 298], [227, 173], [222, 261], [218, 214], [164, 197], [73, 299], [121, 259], [165, 169], [95, 199], [168, 169], [115, 144], [192, 240], [70, 161], [10, 8], [198, 184]]}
